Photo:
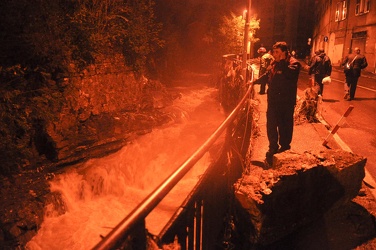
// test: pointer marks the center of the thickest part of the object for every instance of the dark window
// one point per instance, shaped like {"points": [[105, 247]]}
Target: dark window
{"points": [[362, 7], [361, 34]]}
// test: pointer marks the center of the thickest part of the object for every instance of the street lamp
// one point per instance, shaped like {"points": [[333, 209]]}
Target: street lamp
{"points": [[246, 38]]}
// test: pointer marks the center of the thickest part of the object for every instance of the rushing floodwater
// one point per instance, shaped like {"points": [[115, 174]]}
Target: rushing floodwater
{"points": [[99, 194]]}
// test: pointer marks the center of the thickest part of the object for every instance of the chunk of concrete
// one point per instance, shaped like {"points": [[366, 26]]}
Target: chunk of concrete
{"points": [[298, 189]]}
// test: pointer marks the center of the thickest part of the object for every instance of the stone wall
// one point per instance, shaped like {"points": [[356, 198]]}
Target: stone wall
{"points": [[77, 115]]}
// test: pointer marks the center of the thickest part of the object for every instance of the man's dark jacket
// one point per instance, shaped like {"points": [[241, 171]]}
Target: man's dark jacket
{"points": [[282, 81], [320, 65], [357, 65]]}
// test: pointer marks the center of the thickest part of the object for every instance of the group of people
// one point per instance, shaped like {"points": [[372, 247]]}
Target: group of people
{"points": [[321, 67], [280, 71]]}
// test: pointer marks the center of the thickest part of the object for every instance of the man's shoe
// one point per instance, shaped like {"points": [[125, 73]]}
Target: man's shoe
{"points": [[270, 154], [261, 93], [282, 149], [269, 157], [268, 162]]}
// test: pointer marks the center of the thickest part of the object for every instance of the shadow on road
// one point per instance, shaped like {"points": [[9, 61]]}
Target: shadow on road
{"points": [[363, 99], [330, 100]]}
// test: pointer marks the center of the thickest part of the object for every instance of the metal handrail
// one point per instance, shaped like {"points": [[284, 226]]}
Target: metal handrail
{"points": [[149, 203]]}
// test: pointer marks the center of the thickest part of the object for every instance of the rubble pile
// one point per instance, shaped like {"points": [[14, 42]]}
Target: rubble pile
{"points": [[297, 190]]}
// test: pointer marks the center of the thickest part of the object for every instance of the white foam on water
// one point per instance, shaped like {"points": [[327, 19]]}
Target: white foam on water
{"points": [[102, 192]]}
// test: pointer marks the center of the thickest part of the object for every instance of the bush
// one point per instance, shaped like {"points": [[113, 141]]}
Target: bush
{"points": [[56, 34]]}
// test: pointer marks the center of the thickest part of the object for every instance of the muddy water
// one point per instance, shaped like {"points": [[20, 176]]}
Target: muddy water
{"points": [[99, 194]]}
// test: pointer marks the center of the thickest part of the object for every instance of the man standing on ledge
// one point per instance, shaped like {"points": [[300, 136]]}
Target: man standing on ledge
{"points": [[282, 82]]}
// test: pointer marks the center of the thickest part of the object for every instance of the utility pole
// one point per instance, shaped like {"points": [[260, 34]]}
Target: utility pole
{"points": [[246, 38]]}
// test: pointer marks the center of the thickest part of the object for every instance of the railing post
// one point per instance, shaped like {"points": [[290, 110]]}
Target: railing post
{"points": [[198, 225]]}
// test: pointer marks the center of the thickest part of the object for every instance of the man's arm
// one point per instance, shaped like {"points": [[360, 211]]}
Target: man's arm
{"points": [[329, 69], [364, 63], [312, 66], [262, 79], [292, 67], [345, 60]]}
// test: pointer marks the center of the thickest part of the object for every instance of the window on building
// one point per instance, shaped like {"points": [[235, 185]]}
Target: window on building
{"points": [[362, 7], [337, 12], [361, 34], [344, 10], [341, 11]]}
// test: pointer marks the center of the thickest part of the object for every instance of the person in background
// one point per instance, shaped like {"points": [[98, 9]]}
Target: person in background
{"points": [[282, 80], [312, 58], [357, 62], [320, 67], [265, 60]]}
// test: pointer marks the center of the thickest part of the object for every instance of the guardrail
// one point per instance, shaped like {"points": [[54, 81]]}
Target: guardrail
{"points": [[130, 233]]}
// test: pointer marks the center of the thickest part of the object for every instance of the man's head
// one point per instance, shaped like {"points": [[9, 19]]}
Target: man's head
{"points": [[357, 50], [261, 50], [280, 51], [321, 51]]}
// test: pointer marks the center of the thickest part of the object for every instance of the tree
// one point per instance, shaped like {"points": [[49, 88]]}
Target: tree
{"points": [[229, 37], [56, 34]]}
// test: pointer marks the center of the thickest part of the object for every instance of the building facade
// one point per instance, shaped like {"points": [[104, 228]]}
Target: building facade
{"points": [[343, 25], [284, 20]]}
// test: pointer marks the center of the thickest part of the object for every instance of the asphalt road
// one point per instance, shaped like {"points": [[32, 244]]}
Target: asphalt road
{"points": [[358, 130]]}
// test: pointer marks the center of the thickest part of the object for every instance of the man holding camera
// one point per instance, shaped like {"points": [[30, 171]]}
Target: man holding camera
{"points": [[282, 81]]}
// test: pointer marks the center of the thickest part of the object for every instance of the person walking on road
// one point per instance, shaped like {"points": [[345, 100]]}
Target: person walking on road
{"points": [[282, 81], [353, 64], [320, 67], [265, 60]]}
